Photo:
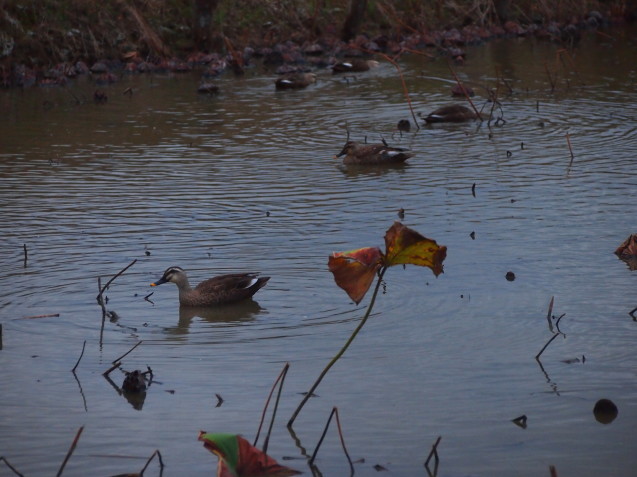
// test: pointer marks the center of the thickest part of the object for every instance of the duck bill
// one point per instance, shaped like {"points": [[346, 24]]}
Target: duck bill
{"points": [[158, 282], [342, 153]]}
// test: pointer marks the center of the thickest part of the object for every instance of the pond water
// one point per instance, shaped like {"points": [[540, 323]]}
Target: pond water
{"points": [[246, 181]]}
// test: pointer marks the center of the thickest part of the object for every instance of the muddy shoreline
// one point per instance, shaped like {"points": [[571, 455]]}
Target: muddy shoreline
{"points": [[301, 53]]}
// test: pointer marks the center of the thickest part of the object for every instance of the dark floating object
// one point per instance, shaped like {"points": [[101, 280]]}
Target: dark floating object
{"points": [[208, 88], [379, 468], [219, 290], [219, 400], [99, 96], [404, 125], [295, 80], [605, 411], [472, 235], [454, 113], [510, 276], [627, 251], [457, 90], [520, 421], [401, 213], [373, 154], [134, 382], [356, 65]]}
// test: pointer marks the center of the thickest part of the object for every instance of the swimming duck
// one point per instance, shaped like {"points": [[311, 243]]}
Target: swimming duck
{"points": [[373, 154], [221, 289], [454, 113], [354, 66], [295, 80]]}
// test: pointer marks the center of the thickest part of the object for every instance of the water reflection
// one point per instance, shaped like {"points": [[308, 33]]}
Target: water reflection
{"points": [[232, 313]]}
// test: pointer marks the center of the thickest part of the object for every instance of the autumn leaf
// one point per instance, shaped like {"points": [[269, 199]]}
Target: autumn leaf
{"points": [[354, 271], [628, 248], [406, 246]]}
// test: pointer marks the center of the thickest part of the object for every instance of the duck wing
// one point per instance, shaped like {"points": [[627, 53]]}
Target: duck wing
{"points": [[230, 287]]}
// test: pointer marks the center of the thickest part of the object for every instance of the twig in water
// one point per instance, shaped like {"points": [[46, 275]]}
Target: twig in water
{"points": [[100, 300], [50, 315], [80, 358], [15, 471], [70, 452], [109, 370], [161, 463], [631, 313], [102, 290], [548, 73], [568, 141], [24, 246], [520, 421], [340, 434], [466, 94], [433, 452], [555, 335], [281, 379], [127, 352], [548, 315], [402, 80]]}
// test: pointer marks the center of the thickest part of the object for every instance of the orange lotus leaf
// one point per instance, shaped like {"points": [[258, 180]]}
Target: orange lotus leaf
{"points": [[354, 271]]}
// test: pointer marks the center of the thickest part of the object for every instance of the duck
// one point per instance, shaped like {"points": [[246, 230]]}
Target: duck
{"points": [[373, 154], [295, 80], [454, 113], [354, 66], [219, 290]]}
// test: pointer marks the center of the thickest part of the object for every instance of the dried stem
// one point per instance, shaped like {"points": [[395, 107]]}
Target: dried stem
{"points": [[309, 394], [464, 91], [340, 434], [70, 451], [568, 141], [433, 452], [161, 462], [537, 357], [127, 353], [102, 290], [281, 379], [80, 358], [15, 471], [548, 315]]}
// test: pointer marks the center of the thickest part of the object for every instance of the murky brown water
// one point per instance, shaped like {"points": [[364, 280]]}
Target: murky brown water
{"points": [[171, 178]]}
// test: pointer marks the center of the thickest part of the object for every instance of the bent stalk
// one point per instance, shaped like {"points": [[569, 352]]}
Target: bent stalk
{"points": [[343, 349]]}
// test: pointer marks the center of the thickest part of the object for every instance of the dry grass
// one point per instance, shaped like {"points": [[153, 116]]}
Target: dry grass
{"points": [[66, 30]]}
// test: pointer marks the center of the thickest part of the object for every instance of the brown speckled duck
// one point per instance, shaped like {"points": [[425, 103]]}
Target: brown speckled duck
{"points": [[373, 154], [454, 113], [219, 290], [354, 66], [295, 80]]}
